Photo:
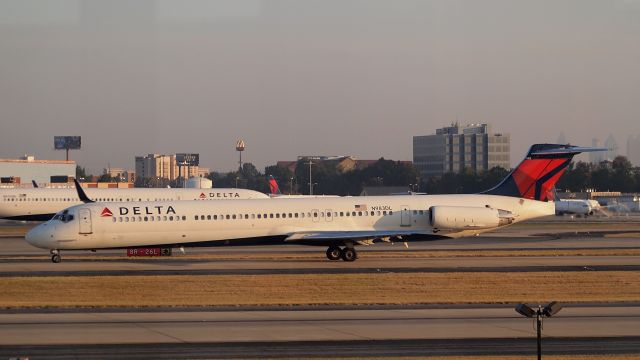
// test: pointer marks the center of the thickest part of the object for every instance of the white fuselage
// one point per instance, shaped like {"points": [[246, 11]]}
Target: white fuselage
{"points": [[576, 206], [122, 224], [42, 203]]}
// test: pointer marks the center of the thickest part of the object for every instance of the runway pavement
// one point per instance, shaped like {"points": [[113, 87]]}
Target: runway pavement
{"points": [[400, 332], [21, 259], [320, 266]]}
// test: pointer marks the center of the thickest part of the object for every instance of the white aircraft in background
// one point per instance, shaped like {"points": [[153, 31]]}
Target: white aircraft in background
{"points": [[576, 207], [40, 204], [338, 223]]}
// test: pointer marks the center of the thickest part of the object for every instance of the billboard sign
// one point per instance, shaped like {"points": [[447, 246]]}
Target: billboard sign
{"points": [[188, 159], [66, 142]]}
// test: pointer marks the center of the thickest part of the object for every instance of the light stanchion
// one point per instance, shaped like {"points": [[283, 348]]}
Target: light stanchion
{"points": [[539, 313]]}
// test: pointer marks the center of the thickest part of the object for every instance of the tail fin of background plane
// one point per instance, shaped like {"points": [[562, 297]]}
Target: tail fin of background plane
{"points": [[538, 173], [81, 194], [274, 189]]}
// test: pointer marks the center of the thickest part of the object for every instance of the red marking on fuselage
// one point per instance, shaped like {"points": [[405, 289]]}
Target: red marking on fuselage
{"points": [[106, 212]]}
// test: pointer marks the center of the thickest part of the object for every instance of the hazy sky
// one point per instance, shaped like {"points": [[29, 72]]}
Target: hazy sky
{"points": [[310, 77]]}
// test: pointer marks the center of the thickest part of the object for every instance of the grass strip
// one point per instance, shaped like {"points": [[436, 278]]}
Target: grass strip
{"points": [[317, 289]]}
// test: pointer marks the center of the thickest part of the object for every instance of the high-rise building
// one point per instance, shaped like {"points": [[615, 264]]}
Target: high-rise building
{"points": [[612, 148], [596, 157], [633, 149], [562, 139], [164, 167], [456, 148]]}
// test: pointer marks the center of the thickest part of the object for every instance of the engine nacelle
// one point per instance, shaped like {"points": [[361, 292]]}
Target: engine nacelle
{"points": [[467, 217]]}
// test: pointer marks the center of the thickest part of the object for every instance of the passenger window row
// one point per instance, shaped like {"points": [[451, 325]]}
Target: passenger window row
{"points": [[258, 216], [147, 218], [301, 215]]}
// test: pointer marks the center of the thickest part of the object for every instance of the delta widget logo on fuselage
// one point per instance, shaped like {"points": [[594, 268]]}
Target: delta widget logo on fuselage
{"points": [[141, 210], [220, 195]]}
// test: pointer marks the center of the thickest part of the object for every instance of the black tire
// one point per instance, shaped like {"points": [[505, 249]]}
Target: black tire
{"points": [[349, 254], [334, 253], [56, 258]]}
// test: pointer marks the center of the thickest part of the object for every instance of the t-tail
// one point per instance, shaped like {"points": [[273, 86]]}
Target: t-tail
{"points": [[537, 174]]}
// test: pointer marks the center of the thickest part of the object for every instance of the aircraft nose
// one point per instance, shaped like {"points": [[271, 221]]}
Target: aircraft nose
{"points": [[38, 236]]}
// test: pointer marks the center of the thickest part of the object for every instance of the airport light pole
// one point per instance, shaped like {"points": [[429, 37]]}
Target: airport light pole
{"points": [[240, 145], [310, 181], [539, 313]]}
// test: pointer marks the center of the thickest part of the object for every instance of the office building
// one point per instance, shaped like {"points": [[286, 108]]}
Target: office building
{"points": [[164, 167], [458, 148]]}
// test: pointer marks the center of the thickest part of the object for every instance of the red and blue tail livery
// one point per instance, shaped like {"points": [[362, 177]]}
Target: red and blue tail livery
{"points": [[538, 173], [274, 189]]}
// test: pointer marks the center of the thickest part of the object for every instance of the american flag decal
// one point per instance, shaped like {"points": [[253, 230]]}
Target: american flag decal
{"points": [[361, 207]]}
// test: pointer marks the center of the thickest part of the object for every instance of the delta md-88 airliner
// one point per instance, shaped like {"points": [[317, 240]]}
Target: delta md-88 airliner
{"points": [[338, 223]]}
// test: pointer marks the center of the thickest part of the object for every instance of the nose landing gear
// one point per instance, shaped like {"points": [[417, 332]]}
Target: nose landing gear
{"points": [[346, 254], [55, 256]]}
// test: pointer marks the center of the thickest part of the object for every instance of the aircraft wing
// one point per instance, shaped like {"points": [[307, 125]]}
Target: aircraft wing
{"points": [[353, 235]]}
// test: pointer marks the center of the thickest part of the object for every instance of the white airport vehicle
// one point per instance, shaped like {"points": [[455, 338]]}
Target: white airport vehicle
{"points": [[338, 223], [40, 204], [576, 207]]}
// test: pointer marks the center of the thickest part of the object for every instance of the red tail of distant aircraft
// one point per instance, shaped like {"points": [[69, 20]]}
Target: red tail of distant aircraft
{"points": [[274, 189]]}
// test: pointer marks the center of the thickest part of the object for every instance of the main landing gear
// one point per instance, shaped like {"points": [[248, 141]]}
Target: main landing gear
{"points": [[346, 254], [55, 256]]}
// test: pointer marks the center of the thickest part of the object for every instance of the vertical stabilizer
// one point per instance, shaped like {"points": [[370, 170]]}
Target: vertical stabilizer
{"points": [[535, 177]]}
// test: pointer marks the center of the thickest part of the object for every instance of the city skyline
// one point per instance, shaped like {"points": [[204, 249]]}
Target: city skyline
{"points": [[290, 78]]}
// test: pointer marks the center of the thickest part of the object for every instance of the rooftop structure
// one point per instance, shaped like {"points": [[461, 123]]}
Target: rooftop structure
{"points": [[14, 172]]}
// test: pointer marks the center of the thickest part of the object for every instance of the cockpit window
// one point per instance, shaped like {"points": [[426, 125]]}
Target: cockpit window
{"points": [[65, 217]]}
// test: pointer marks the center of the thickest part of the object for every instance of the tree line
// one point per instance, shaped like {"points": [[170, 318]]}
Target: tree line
{"points": [[617, 175], [328, 179]]}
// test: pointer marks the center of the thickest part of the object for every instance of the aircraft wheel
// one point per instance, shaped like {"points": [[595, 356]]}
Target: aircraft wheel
{"points": [[56, 258], [334, 253], [349, 254]]}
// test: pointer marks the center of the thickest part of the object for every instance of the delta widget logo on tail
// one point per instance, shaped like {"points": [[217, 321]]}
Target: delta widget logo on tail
{"points": [[106, 212]]}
